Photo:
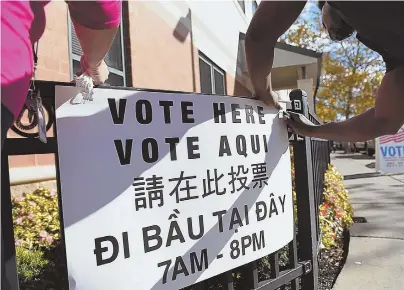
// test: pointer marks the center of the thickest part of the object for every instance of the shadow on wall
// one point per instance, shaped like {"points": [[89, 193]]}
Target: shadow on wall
{"points": [[182, 30]]}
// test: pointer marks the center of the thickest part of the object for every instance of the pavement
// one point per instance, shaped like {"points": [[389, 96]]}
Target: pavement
{"points": [[376, 251]]}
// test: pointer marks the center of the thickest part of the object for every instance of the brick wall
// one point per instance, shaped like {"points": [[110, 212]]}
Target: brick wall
{"points": [[159, 60], [53, 52]]}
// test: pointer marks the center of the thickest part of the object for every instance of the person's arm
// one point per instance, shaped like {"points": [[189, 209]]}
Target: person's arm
{"points": [[386, 118], [271, 20], [96, 24], [94, 43], [359, 128]]}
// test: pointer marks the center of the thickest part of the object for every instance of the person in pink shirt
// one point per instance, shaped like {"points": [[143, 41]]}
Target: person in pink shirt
{"points": [[22, 25]]}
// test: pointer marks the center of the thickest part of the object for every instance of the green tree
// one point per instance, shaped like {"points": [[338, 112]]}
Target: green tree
{"points": [[351, 72]]}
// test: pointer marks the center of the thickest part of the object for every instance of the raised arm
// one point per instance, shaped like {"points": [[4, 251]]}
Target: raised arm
{"points": [[270, 21], [96, 24], [386, 118]]}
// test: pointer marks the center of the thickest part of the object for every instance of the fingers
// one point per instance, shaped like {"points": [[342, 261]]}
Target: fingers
{"points": [[290, 129], [290, 123], [269, 99], [272, 104], [278, 106], [294, 116]]}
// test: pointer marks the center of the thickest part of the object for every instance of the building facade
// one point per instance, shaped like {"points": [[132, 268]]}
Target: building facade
{"points": [[190, 46]]}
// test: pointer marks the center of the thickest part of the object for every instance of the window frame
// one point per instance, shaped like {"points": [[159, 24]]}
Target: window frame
{"points": [[254, 6], [242, 6], [75, 57], [213, 67]]}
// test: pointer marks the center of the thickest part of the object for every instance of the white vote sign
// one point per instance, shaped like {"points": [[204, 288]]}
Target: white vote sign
{"points": [[390, 153], [163, 190]]}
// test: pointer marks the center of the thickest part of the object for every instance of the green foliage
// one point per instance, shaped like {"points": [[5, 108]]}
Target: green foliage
{"points": [[336, 212], [36, 219], [351, 72], [30, 264], [37, 236], [293, 184]]}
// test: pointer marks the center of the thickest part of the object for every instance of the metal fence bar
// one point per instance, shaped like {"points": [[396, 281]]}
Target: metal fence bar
{"points": [[307, 225], [284, 278], [200, 286], [316, 179], [293, 260], [229, 280], [251, 270], [8, 258], [60, 206], [274, 264], [28, 146], [320, 160]]}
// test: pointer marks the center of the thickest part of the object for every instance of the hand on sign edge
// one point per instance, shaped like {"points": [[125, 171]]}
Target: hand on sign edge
{"points": [[99, 72], [299, 124], [270, 98]]}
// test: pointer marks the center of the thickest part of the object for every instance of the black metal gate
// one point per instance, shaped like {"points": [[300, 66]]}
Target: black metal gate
{"points": [[294, 267]]}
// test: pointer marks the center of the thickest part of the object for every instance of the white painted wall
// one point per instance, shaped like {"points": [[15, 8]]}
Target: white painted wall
{"points": [[307, 86], [215, 24], [284, 58], [217, 35]]}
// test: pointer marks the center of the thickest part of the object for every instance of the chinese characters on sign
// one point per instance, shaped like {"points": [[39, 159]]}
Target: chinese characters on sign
{"points": [[164, 190], [149, 191], [154, 192]]}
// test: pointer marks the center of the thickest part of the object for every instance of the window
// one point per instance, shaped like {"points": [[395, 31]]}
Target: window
{"points": [[242, 5], [212, 77], [114, 59], [254, 6], [241, 56]]}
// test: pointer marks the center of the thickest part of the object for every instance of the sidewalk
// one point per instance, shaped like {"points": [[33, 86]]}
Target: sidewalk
{"points": [[376, 253]]}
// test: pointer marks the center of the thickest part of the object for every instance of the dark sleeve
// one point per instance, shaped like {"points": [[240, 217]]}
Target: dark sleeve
{"points": [[391, 62]]}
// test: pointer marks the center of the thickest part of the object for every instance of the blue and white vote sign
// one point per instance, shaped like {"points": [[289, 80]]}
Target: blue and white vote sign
{"points": [[163, 190], [390, 153]]}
